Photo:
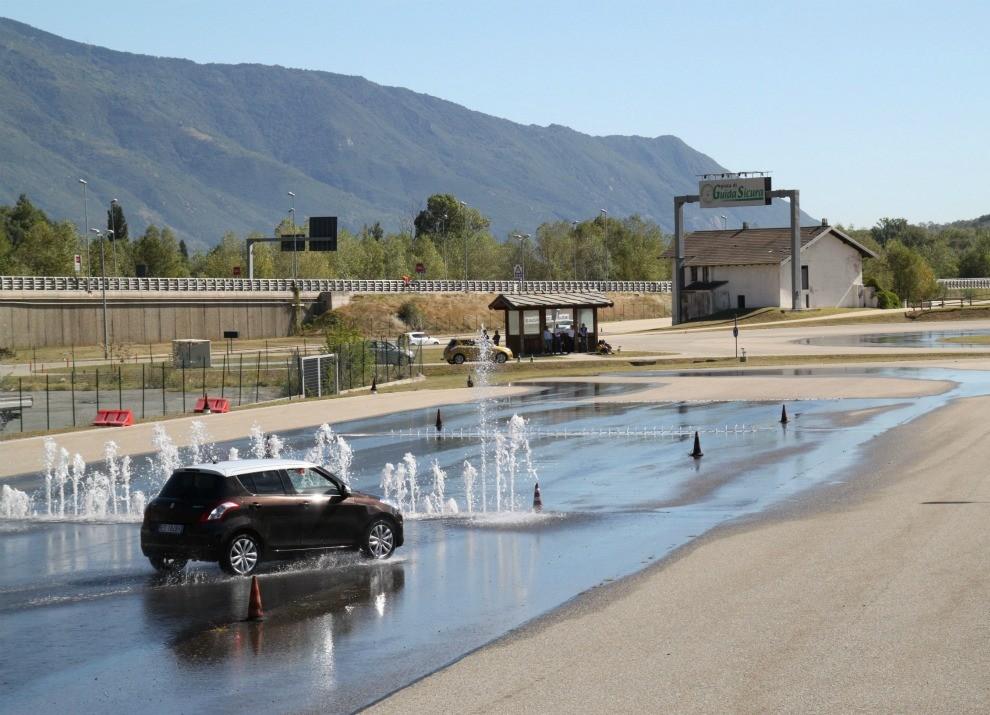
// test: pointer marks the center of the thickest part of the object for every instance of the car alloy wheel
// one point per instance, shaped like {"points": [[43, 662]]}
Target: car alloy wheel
{"points": [[458, 359], [381, 540], [242, 555], [500, 358]]}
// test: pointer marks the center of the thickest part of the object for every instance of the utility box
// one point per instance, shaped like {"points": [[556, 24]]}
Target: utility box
{"points": [[190, 353]]}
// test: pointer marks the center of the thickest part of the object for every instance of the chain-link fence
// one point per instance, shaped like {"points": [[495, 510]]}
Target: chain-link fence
{"points": [[53, 398]]}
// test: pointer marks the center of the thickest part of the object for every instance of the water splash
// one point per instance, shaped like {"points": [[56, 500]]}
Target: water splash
{"points": [[14, 504], [469, 475], [333, 452]]}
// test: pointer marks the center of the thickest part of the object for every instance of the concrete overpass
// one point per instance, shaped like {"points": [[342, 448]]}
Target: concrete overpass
{"points": [[40, 311]]}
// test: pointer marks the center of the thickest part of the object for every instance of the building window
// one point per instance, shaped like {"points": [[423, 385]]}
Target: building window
{"points": [[705, 275], [694, 274], [513, 327], [804, 278]]}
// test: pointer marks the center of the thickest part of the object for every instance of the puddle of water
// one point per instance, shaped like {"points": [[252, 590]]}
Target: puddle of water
{"points": [[84, 620]]}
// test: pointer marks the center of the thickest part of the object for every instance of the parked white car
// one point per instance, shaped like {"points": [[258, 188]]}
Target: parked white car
{"points": [[419, 338]]}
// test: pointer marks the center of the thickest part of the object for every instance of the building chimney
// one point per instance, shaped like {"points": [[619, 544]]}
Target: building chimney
{"points": [[824, 222], [745, 225]]}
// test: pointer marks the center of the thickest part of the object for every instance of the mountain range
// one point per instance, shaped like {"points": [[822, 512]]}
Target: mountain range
{"points": [[206, 148]]}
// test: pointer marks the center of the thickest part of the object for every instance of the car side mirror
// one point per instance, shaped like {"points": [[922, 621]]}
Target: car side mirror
{"points": [[344, 491]]}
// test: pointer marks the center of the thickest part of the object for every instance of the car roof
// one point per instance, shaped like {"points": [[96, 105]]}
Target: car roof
{"points": [[234, 467]]}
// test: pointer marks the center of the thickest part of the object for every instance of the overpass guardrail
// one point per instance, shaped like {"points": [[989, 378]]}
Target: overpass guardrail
{"points": [[964, 283], [323, 285]]}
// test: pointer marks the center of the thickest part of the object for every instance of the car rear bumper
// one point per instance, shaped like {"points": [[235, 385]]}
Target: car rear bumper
{"points": [[198, 542]]}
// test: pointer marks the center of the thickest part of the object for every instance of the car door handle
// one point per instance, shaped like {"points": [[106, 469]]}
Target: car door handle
{"points": [[305, 504], [255, 505]]}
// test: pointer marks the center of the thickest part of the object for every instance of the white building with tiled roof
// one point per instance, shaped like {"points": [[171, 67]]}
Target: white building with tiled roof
{"points": [[751, 268]]}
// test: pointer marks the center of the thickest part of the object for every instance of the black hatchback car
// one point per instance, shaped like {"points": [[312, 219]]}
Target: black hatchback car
{"points": [[243, 512]]}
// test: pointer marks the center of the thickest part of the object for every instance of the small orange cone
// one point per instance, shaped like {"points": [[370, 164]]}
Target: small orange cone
{"points": [[697, 453], [254, 605], [537, 499]]}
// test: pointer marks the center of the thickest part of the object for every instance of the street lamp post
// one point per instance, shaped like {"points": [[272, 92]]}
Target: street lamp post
{"points": [[522, 237], [574, 225], [103, 288], [292, 221], [466, 237], [89, 259], [446, 275], [113, 232], [605, 219]]}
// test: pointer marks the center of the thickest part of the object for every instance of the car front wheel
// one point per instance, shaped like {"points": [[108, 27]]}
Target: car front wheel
{"points": [[458, 359], [379, 540], [500, 358], [241, 555]]}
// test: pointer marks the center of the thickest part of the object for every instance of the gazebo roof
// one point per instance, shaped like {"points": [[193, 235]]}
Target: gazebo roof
{"points": [[517, 301]]}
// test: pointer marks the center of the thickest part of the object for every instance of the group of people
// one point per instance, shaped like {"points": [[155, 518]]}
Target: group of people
{"points": [[560, 341]]}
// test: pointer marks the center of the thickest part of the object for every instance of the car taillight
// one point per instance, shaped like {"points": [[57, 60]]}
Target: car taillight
{"points": [[220, 510]]}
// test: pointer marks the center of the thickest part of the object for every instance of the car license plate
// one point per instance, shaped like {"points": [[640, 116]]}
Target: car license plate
{"points": [[170, 528]]}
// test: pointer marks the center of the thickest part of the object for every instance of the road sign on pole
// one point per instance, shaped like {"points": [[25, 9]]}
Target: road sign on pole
{"points": [[420, 268], [518, 273], [77, 263]]}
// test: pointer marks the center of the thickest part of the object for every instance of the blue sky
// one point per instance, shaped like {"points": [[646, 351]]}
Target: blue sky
{"points": [[869, 108]]}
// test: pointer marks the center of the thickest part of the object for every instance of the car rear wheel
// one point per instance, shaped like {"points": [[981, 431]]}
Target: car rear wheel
{"points": [[458, 359], [241, 555], [379, 540], [500, 358], [167, 564]]}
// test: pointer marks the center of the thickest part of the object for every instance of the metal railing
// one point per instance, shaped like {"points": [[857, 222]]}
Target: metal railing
{"points": [[963, 283], [320, 285]]}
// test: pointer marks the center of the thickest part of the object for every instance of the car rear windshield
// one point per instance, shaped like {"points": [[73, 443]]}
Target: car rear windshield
{"points": [[194, 486]]}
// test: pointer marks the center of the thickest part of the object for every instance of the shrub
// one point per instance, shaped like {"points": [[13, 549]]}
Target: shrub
{"points": [[411, 314], [887, 299]]}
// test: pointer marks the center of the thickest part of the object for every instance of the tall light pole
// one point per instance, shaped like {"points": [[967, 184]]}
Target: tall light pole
{"points": [[468, 224], [605, 219], [522, 237], [574, 225], [103, 288], [89, 260], [113, 232], [445, 242], [292, 223]]}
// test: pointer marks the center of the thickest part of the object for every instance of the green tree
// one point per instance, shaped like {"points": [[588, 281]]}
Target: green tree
{"points": [[911, 276], [158, 251], [219, 261], [47, 249], [8, 263]]}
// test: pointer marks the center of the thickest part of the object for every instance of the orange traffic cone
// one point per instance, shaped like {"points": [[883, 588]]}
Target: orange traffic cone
{"points": [[697, 453], [255, 613], [537, 499]]}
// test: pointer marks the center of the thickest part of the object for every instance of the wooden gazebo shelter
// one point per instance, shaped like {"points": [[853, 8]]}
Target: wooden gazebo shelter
{"points": [[528, 314]]}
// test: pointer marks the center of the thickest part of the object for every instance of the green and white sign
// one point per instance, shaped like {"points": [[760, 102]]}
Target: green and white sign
{"points": [[716, 193]]}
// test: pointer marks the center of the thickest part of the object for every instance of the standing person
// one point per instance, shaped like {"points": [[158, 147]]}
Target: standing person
{"points": [[547, 340], [570, 338], [583, 337], [557, 343], [496, 338]]}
